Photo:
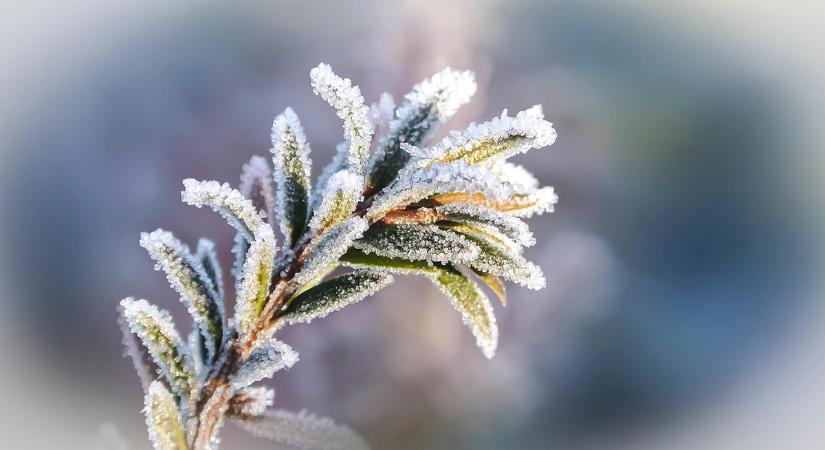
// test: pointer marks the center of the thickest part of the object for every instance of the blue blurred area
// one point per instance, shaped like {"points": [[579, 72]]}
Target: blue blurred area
{"points": [[677, 257]]}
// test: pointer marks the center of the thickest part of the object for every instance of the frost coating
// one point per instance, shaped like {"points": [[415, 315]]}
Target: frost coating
{"points": [[327, 251], [188, 277], [207, 256], [348, 102], [162, 419], [230, 203], [157, 333], [290, 157], [334, 295], [256, 185], [417, 242], [251, 402], [509, 225], [505, 263], [270, 357], [341, 195], [257, 275], [496, 140], [137, 352], [304, 430]]}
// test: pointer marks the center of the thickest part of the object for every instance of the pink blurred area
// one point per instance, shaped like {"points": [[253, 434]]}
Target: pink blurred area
{"points": [[683, 307]]}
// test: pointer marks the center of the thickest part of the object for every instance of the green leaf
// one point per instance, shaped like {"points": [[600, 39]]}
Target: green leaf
{"points": [[473, 305], [156, 332], [189, 278], [290, 157], [358, 259], [163, 420], [334, 294], [417, 242], [502, 261], [495, 284], [257, 276]]}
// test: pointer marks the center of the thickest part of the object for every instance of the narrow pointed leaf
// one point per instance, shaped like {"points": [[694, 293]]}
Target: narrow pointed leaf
{"points": [[257, 276], [250, 402], [207, 256], [329, 248], [144, 365], [495, 284], [429, 104], [290, 157], [163, 420], [304, 430], [349, 104], [230, 203], [256, 185], [270, 357], [418, 242], [189, 278], [473, 305], [519, 205], [341, 195], [360, 260], [508, 225], [157, 333], [502, 261], [333, 295]]}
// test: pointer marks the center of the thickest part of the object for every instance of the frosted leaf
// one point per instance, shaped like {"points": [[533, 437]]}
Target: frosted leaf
{"points": [[268, 358], [417, 242], [518, 176], [429, 104], [338, 163], [473, 305], [381, 114], [496, 140], [519, 205], [341, 195], [304, 430], [250, 402], [157, 333], [230, 203], [486, 233], [198, 350], [329, 248], [290, 157], [495, 284], [358, 259], [539, 202], [334, 295], [239, 249], [507, 224], [502, 261], [163, 420], [144, 365], [207, 256], [257, 276], [349, 104], [256, 185], [414, 184], [187, 276]]}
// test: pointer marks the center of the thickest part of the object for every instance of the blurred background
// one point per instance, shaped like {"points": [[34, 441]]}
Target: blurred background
{"points": [[683, 307]]}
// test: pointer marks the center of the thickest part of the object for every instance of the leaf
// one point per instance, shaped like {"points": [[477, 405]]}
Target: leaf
{"points": [[304, 430], [256, 185], [329, 248], [502, 261], [290, 157], [163, 420], [519, 205], [230, 203], [187, 276], [429, 104], [419, 242], [473, 305], [239, 249], [493, 141], [349, 105], [334, 295], [508, 225], [495, 284], [207, 256], [257, 277], [270, 357], [250, 402], [137, 352], [155, 330], [341, 195], [358, 259]]}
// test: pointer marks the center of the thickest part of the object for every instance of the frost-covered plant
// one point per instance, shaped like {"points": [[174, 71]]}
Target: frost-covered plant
{"points": [[386, 205]]}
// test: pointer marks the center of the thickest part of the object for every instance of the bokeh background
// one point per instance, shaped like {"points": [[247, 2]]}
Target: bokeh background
{"points": [[684, 260]]}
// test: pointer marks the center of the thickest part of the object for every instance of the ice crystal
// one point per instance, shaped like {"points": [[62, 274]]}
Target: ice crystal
{"points": [[270, 357], [257, 275], [384, 206], [417, 242], [335, 294], [157, 333], [349, 104], [290, 157], [250, 402], [163, 420], [230, 203], [429, 104], [341, 195], [329, 248], [304, 430], [189, 278]]}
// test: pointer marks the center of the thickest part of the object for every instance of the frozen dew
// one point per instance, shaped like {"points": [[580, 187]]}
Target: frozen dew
{"points": [[256, 185], [230, 203], [163, 420], [417, 242], [268, 358], [251, 402], [257, 274], [341, 195], [292, 166], [335, 294], [329, 248], [510, 226]]}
